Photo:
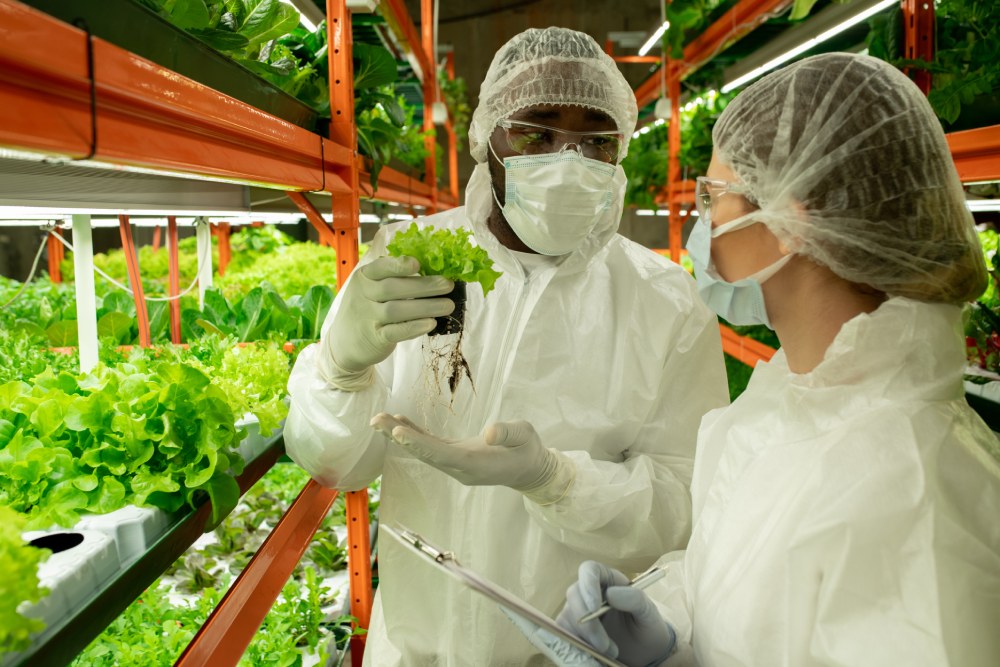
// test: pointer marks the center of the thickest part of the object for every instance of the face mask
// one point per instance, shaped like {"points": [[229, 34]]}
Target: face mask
{"points": [[740, 302], [553, 201]]}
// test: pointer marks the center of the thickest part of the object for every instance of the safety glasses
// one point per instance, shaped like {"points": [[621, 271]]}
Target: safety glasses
{"points": [[707, 189], [532, 139]]}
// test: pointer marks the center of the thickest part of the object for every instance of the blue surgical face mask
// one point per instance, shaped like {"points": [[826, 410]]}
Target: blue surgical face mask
{"points": [[740, 302]]}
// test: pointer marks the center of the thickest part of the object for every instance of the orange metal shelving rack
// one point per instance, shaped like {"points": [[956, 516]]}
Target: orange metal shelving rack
{"points": [[65, 95]]}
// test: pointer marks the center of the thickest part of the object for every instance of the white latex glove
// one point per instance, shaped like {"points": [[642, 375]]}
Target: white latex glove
{"points": [[381, 306], [506, 454], [633, 631]]}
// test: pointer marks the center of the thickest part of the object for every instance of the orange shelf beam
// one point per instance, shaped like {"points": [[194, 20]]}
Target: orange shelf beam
{"points": [[147, 116], [746, 350], [395, 186], [227, 632], [400, 23], [731, 26], [976, 153]]}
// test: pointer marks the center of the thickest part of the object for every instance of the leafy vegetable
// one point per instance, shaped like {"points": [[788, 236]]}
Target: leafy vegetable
{"points": [[261, 35], [147, 432], [155, 629], [23, 356], [965, 72], [18, 582], [442, 252], [253, 378], [456, 98]]}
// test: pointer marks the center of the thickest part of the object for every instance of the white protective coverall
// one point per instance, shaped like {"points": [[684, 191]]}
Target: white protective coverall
{"points": [[849, 516], [609, 354]]}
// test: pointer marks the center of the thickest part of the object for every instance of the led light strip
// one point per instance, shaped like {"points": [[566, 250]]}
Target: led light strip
{"points": [[808, 44], [651, 42]]}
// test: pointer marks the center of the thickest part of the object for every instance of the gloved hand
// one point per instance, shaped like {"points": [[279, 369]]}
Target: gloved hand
{"points": [[381, 306], [633, 631], [506, 454]]}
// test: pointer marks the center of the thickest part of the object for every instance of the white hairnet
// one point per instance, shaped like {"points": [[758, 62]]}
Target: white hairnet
{"points": [[551, 66], [850, 167]]}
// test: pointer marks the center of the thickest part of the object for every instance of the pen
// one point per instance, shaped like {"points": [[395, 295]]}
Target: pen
{"points": [[640, 582]]}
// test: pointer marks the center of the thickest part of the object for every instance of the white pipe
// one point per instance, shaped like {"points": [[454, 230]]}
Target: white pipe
{"points": [[86, 299], [203, 234]]}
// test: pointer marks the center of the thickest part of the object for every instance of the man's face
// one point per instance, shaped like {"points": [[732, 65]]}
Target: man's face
{"points": [[564, 117]]}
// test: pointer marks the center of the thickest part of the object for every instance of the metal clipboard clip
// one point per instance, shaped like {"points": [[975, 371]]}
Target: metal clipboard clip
{"points": [[419, 544]]}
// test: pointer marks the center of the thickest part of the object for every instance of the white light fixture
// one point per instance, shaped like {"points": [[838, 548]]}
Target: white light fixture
{"points": [[362, 6], [810, 42], [662, 109], [983, 205], [651, 42], [310, 15], [155, 216], [439, 113], [370, 217]]}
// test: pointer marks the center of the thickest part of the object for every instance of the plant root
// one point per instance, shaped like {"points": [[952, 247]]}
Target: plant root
{"points": [[448, 364]]}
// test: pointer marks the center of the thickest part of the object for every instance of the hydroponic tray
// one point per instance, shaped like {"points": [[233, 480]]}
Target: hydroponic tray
{"points": [[61, 641]]}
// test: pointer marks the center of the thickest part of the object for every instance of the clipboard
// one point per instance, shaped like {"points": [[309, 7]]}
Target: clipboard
{"points": [[560, 645]]}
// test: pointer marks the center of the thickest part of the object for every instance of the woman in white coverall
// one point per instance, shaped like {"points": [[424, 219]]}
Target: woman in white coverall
{"points": [[847, 505], [594, 358]]}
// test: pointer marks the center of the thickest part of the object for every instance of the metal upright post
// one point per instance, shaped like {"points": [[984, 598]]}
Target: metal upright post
{"points": [[135, 280], [918, 31], [676, 222], [430, 97], [55, 253], [452, 139], [174, 277], [343, 131], [346, 213]]}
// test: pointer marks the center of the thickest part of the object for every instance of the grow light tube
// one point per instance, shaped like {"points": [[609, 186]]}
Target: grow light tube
{"points": [[238, 216], [654, 39], [983, 205], [808, 44], [309, 14]]}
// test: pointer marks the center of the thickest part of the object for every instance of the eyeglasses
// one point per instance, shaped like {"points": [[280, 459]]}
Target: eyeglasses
{"points": [[532, 139], [708, 188]]}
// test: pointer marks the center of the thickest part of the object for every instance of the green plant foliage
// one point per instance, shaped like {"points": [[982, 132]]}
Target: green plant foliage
{"points": [[146, 432], [295, 627], [685, 17], [262, 35], [41, 304], [456, 98], [24, 356], [738, 374], [290, 270], [646, 162], [965, 88], [153, 630], [252, 377], [258, 315], [154, 266], [982, 319], [442, 252], [646, 167], [411, 147], [18, 582]]}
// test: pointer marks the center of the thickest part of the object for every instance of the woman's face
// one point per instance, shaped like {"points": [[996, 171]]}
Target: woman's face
{"points": [[745, 251]]}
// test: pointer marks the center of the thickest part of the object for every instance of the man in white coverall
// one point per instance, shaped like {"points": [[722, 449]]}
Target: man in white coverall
{"points": [[591, 364]]}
